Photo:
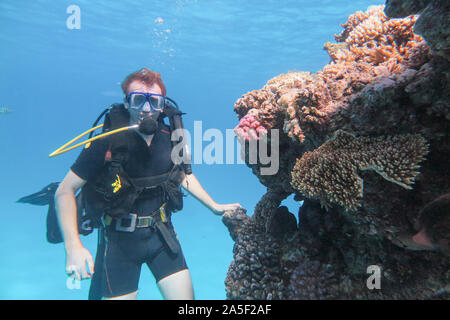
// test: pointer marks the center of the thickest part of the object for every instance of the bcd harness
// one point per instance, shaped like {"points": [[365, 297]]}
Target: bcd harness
{"points": [[109, 198]]}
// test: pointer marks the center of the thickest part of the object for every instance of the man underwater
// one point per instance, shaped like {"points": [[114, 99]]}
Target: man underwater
{"points": [[143, 233]]}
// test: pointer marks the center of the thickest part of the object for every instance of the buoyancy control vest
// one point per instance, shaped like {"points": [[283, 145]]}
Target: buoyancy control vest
{"points": [[98, 197], [114, 192]]}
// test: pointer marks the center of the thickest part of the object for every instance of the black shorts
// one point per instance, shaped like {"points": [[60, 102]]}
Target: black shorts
{"points": [[125, 253]]}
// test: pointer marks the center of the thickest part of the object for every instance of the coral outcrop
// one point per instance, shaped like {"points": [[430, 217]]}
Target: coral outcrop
{"points": [[433, 23], [364, 143], [329, 173], [254, 273]]}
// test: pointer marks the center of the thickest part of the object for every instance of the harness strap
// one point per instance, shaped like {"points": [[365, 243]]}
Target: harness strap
{"points": [[131, 221], [148, 182], [159, 221]]}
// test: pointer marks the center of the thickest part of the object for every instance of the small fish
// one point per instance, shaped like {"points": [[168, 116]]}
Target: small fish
{"points": [[5, 110], [159, 20]]}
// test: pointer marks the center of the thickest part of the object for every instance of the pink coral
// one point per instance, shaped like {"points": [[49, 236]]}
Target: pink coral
{"points": [[249, 128]]}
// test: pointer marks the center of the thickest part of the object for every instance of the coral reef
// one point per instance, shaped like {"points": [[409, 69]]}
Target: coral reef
{"points": [[367, 138], [329, 173], [433, 23], [373, 38], [254, 273], [310, 280]]}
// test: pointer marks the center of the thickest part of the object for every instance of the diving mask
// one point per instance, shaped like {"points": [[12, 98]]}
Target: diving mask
{"points": [[137, 100], [145, 109]]}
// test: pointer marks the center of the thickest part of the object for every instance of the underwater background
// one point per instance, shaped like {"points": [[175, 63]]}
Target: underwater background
{"points": [[55, 81]]}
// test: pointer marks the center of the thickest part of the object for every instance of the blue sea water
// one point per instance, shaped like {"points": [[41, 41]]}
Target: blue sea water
{"points": [[57, 80]]}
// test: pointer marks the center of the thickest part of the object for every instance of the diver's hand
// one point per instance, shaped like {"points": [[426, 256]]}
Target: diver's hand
{"points": [[220, 209], [76, 262]]}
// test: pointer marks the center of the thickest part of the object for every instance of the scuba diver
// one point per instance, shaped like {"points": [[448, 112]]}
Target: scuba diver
{"points": [[132, 185]]}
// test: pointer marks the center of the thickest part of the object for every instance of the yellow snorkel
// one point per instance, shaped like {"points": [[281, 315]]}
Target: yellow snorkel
{"points": [[64, 148]]}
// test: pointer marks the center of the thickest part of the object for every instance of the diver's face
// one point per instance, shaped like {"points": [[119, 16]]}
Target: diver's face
{"points": [[146, 111]]}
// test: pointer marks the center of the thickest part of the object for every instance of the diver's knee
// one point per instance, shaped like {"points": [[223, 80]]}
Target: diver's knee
{"points": [[128, 296], [177, 286]]}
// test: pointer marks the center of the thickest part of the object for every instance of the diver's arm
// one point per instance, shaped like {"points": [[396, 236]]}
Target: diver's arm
{"points": [[66, 208], [77, 257], [191, 184]]}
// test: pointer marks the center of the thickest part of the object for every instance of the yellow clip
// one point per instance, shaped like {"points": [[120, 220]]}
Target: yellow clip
{"points": [[117, 184], [162, 212]]}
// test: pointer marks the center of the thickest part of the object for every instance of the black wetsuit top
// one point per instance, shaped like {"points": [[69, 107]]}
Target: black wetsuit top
{"points": [[125, 252], [143, 161]]}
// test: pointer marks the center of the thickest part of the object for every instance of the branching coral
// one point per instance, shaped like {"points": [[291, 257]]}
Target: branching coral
{"points": [[329, 173], [371, 37], [371, 46]]}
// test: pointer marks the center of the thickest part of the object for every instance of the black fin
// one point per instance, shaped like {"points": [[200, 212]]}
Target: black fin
{"points": [[46, 197], [41, 198]]}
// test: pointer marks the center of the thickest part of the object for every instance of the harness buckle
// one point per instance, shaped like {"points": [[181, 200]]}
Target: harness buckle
{"points": [[132, 217]]}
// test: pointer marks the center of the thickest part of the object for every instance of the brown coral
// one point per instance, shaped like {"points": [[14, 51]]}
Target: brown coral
{"points": [[289, 101], [254, 273], [371, 46], [310, 280], [371, 37], [329, 173]]}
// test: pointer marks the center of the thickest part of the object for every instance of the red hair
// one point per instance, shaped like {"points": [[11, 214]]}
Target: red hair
{"points": [[146, 76]]}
